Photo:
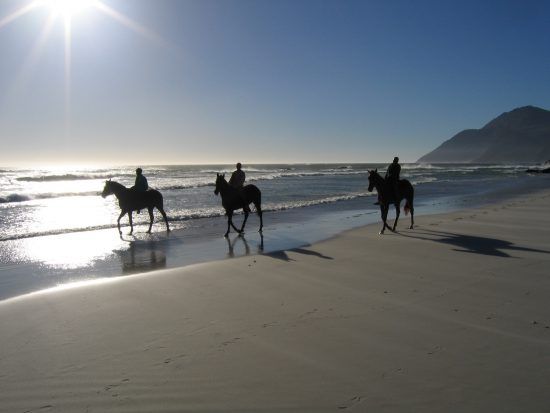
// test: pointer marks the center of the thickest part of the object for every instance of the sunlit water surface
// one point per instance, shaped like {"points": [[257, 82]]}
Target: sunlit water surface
{"points": [[56, 229]]}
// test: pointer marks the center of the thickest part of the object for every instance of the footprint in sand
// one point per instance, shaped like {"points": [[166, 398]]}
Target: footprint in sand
{"points": [[115, 385], [435, 350], [229, 342], [351, 402], [308, 313]]}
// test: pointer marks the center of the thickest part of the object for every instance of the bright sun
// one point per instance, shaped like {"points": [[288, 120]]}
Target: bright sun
{"points": [[68, 8], [65, 11]]}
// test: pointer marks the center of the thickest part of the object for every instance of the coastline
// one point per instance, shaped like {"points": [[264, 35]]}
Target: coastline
{"points": [[451, 316], [32, 264]]}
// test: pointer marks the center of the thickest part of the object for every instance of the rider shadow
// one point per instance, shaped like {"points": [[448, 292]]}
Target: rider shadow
{"points": [[472, 244], [142, 257]]}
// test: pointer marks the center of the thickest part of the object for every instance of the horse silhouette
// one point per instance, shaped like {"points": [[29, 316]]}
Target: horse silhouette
{"points": [[130, 200], [386, 197], [233, 200]]}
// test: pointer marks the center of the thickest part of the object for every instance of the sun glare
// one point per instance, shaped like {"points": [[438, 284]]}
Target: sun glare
{"points": [[65, 11], [68, 8]]}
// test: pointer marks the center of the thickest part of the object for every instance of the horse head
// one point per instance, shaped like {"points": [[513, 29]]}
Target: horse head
{"points": [[220, 179], [107, 189], [372, 179]]}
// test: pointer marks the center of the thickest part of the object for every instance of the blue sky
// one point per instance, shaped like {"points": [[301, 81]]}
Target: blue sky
{"points": [[265, 81]]}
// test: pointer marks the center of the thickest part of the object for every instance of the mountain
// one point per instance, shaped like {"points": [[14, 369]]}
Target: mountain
{"points": [[521, 135]]}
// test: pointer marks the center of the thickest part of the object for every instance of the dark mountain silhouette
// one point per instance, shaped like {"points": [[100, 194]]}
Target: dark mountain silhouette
{"points": [[522, 135]]}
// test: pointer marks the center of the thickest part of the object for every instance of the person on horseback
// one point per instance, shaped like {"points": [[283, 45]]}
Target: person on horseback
{"points": [[141, 184], [392, 177], [237, 181]]}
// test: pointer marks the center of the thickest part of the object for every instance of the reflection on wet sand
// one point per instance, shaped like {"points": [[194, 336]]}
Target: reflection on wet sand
{"points": [[142, 256], [231, 246]]}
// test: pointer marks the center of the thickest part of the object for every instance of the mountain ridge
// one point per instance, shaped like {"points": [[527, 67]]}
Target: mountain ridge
{"points": [[520, 135]]}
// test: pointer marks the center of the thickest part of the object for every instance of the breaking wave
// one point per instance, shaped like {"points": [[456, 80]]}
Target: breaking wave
{"points": [[14, 198], [65, 177]]}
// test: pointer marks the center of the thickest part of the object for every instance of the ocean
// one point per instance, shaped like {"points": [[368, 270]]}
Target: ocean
{"points": [[56, 229]]}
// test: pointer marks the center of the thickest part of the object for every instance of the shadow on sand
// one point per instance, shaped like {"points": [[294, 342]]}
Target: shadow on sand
{"points": [[469, 243], [282, 255]]}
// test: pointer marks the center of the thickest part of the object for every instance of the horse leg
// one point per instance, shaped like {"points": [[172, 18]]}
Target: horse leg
{"points": [[384, 213], [232, 224], [244, 221], [412, 214], [131, 224], [122, 213], [260, 214], [229, 223], [161, 209], [259, 211], [151, 217], [397, 212]]}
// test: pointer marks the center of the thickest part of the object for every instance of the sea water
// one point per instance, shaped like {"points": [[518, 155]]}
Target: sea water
{"points": [[55, 227]]}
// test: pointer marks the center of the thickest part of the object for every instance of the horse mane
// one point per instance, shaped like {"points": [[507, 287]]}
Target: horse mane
{"points": [[224, 181], [379, 177], [117, 185]]}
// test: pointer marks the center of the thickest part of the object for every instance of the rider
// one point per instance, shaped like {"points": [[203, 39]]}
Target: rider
{"points": [[141, 184], [392, 177], [237, 182]]}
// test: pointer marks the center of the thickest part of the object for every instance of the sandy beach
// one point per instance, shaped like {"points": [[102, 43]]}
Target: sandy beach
{"points": [[452, 316]]}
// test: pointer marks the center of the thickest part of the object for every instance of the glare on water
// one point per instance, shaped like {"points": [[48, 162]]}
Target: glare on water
{"points": [[71, 250]]}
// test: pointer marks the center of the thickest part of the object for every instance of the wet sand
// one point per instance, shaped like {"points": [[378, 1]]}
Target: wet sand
{"points": [[452, 316]]}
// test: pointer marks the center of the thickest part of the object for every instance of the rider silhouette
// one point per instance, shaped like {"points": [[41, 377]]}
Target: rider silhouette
{"points": [[392, 177], [237, 181], [141, 184]]}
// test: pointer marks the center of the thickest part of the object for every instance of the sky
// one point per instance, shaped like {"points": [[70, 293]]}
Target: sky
{"points": [[258, 81]]}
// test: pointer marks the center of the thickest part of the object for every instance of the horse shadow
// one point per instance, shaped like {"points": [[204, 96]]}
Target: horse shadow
{"points": [[471, 244], [282, 255]]}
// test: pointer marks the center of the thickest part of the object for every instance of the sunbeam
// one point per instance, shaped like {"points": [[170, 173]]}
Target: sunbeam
{"points": [[18, 13], [131, 24], [66, 10], [67, 77], [32, 58]]}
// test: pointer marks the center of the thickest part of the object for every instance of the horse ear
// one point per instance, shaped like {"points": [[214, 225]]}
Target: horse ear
{"points": [[376, 170]]}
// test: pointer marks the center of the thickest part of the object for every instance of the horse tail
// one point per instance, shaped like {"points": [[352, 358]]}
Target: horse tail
{"points": [[407, 207], [257, 201]]}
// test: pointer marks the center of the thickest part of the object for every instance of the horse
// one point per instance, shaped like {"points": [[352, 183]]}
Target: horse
{"points": [[386, 196], [130, 200], [232, 200]]}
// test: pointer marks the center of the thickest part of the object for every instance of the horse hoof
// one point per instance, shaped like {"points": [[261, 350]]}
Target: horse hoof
{"points": [[226, 235], [381, 233]]}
